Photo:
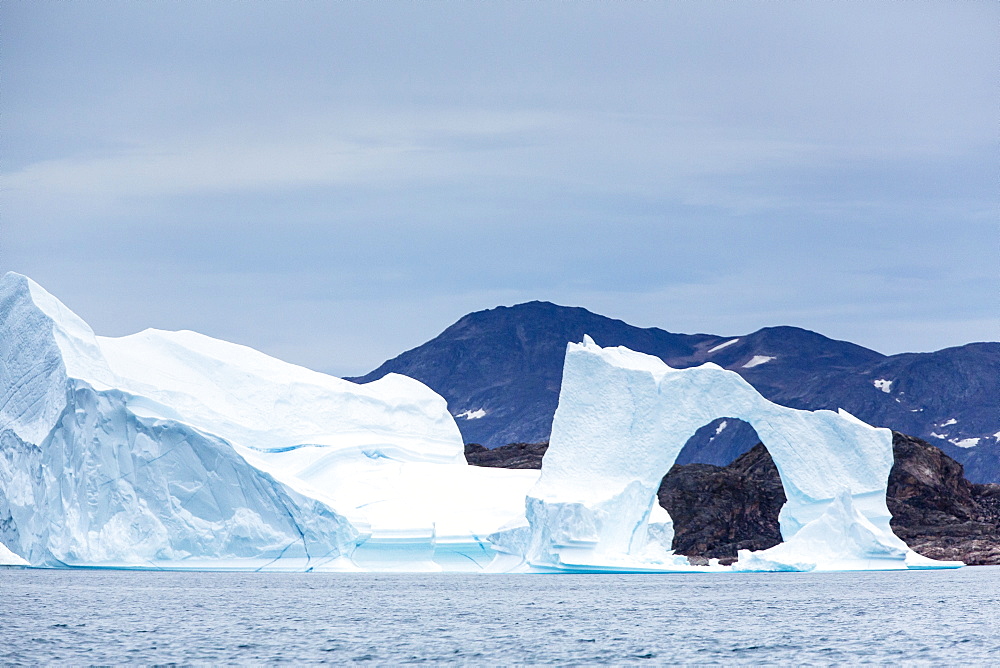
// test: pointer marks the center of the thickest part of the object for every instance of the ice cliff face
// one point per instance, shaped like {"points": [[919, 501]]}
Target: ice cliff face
{"points": [[172, 449], [84, 480], [622, 419]]}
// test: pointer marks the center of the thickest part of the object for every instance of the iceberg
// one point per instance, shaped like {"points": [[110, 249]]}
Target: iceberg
{"points": [[623, 418], [176, 450]]}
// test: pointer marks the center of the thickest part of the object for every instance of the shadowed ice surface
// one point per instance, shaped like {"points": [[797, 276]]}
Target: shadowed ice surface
{"points": [[101, 617]]}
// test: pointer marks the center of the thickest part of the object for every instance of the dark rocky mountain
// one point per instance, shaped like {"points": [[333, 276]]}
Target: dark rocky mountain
{"points": [[507, 363], [500, 371], [936, 510], [719, 442], [718, 510]]}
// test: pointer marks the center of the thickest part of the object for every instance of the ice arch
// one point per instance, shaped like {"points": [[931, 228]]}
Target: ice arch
{"points": [[622, 419]]}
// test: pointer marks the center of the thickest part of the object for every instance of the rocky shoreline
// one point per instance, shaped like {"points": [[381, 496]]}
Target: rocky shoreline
{"points": [[718, 510]]}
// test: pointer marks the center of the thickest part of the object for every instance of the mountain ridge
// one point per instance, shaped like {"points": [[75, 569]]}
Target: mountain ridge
{"points": [[500, 370]]}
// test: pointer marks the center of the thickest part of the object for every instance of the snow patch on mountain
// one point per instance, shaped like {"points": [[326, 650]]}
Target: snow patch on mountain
{"points": [[472, 414], [757, 360], [722, 345], [883, 384]]}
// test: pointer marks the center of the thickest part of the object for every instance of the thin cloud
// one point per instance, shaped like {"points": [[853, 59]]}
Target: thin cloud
{"points": [[295, 175]]}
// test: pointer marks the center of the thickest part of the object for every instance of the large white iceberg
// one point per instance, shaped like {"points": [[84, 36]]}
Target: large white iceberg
{"points": [[176, 450], [622, 419]]}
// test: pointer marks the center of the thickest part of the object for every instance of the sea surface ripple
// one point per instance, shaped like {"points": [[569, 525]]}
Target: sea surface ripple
{"points": [[148, 617]]}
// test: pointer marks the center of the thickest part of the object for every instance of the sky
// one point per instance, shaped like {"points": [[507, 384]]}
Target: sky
{"points": [[335, 183]]}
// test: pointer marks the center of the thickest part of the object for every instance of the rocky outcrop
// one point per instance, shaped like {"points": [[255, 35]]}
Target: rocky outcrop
{"points": [[718, 510], [513, 456], [936, 510]]}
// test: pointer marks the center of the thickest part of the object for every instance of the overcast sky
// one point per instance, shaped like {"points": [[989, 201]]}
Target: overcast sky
{"points": [[334, 183]]}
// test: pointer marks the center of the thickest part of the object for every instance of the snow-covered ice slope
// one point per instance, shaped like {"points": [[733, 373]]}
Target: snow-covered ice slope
{"points": [[622, 419], [172, 449], [388, 454], [8, 558]]}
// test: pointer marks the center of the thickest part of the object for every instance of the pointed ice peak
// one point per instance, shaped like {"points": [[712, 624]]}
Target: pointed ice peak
{"points": [[622, 357], [19, 286], [28, 312], [14, 277], [844, 414]]}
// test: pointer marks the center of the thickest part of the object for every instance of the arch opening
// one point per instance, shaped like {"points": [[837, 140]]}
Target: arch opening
{"points": [[719, 442], [720, 508]]}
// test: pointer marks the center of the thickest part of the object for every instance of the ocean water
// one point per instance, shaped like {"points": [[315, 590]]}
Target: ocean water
{"points": [[122, 617]]}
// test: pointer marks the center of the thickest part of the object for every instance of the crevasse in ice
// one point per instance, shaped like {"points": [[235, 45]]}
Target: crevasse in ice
{"points": [[621, 421]]}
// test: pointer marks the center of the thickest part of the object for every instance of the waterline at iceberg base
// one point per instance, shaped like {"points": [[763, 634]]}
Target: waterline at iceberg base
{"points": [[175, 450]]}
